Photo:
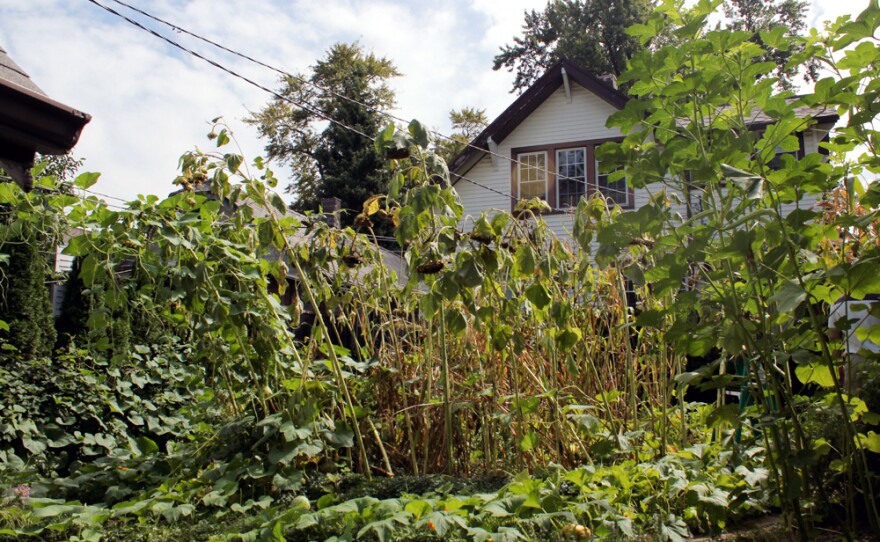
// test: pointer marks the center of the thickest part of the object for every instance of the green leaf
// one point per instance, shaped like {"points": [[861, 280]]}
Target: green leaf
{"points": [[749, 183], [33, 446], [724, 414], [870, 442], [86, 180], [815, 373], [278, 203], [539, 296], [528, 442], [525, 260], [468, 273], [9, 192], [147, 445], [456, 322], [419, 133], [233, 162], [568, 338], [54, 510], [789, 296]]}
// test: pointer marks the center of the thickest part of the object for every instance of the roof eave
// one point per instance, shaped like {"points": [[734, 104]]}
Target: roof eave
{"points": [[31, 121]]}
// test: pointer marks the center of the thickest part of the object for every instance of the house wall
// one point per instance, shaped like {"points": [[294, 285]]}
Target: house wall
{"points": [[554, 121], [558, 121], [63, 265]]}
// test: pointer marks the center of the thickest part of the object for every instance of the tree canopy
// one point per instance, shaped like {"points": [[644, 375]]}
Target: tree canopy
{"points": [[307, 128], [756, 16], [467, 123], [590, 33]]}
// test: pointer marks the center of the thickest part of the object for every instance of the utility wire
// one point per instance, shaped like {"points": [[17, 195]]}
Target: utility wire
{"points": [[302, 80], [103, 195], [228, 70], [237, 75]]}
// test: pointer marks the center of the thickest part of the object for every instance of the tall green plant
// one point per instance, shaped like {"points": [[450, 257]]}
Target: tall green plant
{"points": [[742, 272]]}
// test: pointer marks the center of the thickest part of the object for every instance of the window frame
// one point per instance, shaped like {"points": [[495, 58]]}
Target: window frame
{"points": [[627, 191], [775, 163], [519, 170], [586, 181], [552, 193]]}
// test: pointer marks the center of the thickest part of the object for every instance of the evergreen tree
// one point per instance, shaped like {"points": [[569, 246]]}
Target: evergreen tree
{"points": [[81, 303], [590, 33], [25, 305], [325, 158], [75, 308], [758, 16]]}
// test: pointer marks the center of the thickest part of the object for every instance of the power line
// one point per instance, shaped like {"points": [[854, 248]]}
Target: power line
{"points": [[376, 110], [228, 70], [280, 71], [104, 195], [268, 90]]}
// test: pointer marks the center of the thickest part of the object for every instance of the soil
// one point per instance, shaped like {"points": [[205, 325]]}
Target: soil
{"points": [[773, 529]]}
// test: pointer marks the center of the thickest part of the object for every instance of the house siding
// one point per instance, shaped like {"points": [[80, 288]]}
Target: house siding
{"points": [[555, 121], [558, 121]]}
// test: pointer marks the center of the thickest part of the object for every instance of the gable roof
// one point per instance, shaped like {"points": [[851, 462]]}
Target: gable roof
{"points": [[528, 102], [553, 78], [821, 114]]}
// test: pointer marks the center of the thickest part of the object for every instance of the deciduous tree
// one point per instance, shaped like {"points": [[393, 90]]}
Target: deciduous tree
{"points": [[758, 16], [467, 123]]}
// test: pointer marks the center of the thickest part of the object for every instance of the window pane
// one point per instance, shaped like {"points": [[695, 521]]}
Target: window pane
{"points": [[571, 178], [616, 191], [532, 175]]}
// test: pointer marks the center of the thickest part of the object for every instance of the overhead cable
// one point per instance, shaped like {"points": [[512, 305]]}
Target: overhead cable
{"points": [[302, 80], [251, 82]]}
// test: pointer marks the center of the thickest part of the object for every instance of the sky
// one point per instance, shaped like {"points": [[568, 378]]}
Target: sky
{"points": [[150, 102]]}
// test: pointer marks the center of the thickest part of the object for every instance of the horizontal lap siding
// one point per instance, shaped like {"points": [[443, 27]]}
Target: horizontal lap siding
{"points": [[555, 121]]}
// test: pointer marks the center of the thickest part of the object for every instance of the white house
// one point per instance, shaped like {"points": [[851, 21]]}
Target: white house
{"points": [[543, 145]]}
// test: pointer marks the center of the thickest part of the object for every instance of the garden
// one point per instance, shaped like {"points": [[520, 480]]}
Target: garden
{"points": [[506, 386]]}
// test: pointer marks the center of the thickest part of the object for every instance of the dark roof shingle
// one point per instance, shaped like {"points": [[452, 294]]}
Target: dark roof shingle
{"points": [[13, 73]]}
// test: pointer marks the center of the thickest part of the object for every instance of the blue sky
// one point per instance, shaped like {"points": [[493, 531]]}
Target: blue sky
{"points": [[150, 103]]}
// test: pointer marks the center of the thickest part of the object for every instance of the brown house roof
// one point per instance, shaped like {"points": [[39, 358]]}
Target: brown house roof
{"points": [[31, 122], [526, 104], [552, 79]]}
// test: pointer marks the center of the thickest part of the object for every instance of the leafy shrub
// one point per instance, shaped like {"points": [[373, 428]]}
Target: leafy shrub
{"points": [[61, 413]]}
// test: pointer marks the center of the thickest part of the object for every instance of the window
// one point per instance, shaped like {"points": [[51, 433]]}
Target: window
{"points": [[571, 180], [532, 175], [562, 174], [615, 191], [776, 162]]}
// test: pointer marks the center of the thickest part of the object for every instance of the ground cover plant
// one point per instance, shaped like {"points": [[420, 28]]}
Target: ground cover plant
{"points": [[503, 389]]}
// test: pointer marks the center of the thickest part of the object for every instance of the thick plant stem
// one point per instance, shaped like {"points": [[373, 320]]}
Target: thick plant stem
{"points": [[337, 369], [447, 393], [388, 469]]}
